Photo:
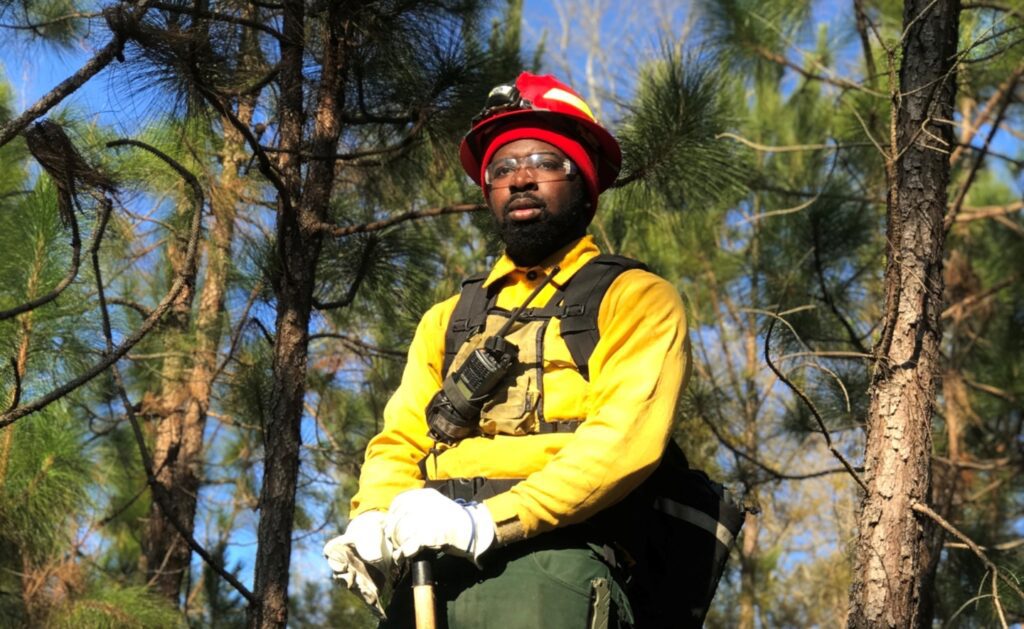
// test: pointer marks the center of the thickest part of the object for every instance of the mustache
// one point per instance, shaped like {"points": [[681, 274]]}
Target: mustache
{"points": [[519, 196]]}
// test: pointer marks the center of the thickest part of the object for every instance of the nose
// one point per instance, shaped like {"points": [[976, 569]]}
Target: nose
{"points": [[522, 179]]}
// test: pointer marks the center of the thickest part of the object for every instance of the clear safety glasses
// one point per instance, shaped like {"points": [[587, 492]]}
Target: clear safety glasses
{"points": [[542, 167]]}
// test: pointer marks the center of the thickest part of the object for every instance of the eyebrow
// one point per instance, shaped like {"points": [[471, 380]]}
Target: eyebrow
{"points": [[545, 152]]}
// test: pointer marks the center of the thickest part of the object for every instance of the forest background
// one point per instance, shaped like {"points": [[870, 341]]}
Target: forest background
{"points": [[220, 234]]}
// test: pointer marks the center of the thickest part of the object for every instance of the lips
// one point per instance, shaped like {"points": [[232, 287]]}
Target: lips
{"points": [[524, 208]]}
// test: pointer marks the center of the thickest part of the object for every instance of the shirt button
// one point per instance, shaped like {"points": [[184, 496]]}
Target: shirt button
{"points": [[532, 275]]}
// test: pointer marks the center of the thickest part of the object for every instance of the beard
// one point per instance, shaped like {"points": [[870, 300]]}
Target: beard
{"points": [[527, 243]]}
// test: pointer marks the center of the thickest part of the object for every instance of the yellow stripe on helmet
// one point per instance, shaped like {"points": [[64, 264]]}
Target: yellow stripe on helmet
{"points": [[571, 99]]}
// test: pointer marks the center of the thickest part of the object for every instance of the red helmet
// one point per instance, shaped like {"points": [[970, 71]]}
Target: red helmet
{"points": [[545, 97]]}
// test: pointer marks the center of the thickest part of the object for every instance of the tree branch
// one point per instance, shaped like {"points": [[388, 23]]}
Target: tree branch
{"points": [[958, 202], [360, 345], [789, 148], [266, 168], [162, 496], [364, 266], [810, 405], [76, 259], [959, 308], [92, 67], [191, 10], [237, 334], [781, 60], [137, 307], [187, 276], [988, 211], [35, 26], [347, 230], [764, 466], [996, 574]]}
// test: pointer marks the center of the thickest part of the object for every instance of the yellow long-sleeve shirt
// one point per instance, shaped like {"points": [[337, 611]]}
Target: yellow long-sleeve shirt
{"points": [[636, 372]]}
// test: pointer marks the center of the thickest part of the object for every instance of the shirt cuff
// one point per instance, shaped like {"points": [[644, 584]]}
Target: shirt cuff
{"points": [[507, 524]]}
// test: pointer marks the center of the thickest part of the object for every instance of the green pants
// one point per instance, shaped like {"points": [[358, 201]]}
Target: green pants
{"points": [[537, 584]]}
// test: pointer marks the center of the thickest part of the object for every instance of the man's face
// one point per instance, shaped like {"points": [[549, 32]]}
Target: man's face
{"points": [[536, 218]]}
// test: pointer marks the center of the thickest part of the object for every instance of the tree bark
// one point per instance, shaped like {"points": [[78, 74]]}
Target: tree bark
{"points": [[165, 554], [890, 559], [299, 244], [185, 401], [749, 558]]}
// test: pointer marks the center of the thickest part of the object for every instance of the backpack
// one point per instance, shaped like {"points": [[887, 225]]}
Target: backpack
{"points": [[676, 529]]}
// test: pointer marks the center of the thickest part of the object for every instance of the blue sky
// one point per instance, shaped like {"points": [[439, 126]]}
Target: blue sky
{"points": [[34, 69]]}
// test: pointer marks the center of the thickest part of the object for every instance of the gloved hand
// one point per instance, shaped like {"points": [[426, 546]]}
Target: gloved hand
{"points": [[362, 558], [423, 518]]}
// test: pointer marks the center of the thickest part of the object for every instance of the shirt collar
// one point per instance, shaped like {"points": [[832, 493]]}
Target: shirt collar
{"points": [[569, 259]]}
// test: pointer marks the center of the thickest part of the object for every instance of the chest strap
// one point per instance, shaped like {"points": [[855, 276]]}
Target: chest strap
{"points": [[577, 310], [474, 489], [565, 425], [544, 428]]}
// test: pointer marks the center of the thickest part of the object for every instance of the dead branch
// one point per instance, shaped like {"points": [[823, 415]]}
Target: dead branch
{"points": [[985, 466], [1019, 163], [810, 405], [360, 346], [790, 148], [776, 474], [826, 295], [112, 50], [264, 164], [267, 336], [187, 276], [397, 147], [991, 390], [1002, 547], [347, 230], [137, 307], [35, 26], [845, 84], [863, 23], [159, 492], [978, 552], [958, 202], [995, 6], [959, 308]]}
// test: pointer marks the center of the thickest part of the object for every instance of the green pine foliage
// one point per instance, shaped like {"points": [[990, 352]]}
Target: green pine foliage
{"points": [[753, 181], [116, 608]]}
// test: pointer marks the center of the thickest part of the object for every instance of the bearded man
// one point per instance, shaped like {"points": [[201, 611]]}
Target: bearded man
{"points": [[531, 403]]}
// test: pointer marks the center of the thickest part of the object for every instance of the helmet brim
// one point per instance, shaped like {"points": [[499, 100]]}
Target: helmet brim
{"points": [[604, 147]]}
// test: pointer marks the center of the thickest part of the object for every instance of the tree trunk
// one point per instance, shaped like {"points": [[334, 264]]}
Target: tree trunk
{"points": [[165, 554], [891, 546], [748, 573], [299, 243], [178, 454]]}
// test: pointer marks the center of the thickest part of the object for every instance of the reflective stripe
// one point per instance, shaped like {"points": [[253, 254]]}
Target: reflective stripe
{"points": [[570, 99], [695, 517]]}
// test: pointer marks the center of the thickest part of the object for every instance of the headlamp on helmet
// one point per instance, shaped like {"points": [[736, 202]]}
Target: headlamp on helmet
{"points": [[544, 102]]}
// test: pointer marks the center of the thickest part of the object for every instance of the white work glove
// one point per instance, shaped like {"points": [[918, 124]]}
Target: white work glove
{"points": [[363, 544], [423, 518]]}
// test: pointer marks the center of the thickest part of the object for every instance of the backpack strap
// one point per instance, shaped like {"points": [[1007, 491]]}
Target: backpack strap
{"points": [[582, 303], [469, 316]]}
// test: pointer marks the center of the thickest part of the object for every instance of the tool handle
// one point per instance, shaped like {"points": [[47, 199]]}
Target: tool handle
{"points": [[423, 594]]}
